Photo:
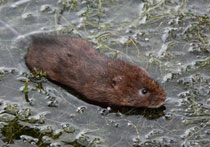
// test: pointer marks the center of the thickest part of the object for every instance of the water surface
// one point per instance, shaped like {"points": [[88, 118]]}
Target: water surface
{"points": [[169, 38]]}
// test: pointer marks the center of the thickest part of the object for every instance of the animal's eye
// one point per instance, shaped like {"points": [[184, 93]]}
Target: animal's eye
{"points": [[143, 91]]}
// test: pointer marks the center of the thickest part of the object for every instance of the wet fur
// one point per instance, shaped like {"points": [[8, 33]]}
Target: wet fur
{"points": [[73, 62]]}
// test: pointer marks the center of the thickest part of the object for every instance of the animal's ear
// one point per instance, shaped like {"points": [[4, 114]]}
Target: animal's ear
{"points": [[144, 71], [116, 81]]}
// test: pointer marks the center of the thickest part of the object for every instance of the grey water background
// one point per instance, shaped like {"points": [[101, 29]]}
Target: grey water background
{"points": [[169, 38]]}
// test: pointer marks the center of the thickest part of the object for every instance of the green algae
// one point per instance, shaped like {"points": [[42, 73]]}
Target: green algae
{"points": [[170, 37]]}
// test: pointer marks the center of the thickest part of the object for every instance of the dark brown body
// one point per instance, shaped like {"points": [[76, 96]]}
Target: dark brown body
{"points": [[73, 62]]}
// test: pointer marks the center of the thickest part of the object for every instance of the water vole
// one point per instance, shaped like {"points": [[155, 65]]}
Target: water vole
{"points": [[73, 62]]}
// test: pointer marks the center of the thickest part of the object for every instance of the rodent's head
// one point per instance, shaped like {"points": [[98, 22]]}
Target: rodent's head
{"points": [[150, 94], [139, 90]]}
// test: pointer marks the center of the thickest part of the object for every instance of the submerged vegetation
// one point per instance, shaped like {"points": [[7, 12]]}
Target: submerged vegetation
{"points": [[169, 38]]}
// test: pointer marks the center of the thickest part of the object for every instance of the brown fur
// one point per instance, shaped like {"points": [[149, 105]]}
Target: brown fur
{"points": [[73, 62]]}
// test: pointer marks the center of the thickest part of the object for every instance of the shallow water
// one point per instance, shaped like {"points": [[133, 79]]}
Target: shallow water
{"points": [[169, 38]]}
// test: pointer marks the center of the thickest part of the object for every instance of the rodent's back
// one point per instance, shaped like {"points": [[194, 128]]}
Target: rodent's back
{"points": [[73, 62], [63, 56]]}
